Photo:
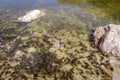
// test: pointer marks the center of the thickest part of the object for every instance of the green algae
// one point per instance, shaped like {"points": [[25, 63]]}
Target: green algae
{"points": [[29, 53], [102, 8], [33, 56]]}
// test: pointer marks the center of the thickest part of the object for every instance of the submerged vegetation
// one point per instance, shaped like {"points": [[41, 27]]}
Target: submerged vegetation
{"points": [[34, 53], [102, 8], [57, 46]]}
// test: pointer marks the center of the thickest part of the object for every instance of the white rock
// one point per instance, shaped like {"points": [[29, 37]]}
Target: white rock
{"points": [[56, 44], [31, 15]]}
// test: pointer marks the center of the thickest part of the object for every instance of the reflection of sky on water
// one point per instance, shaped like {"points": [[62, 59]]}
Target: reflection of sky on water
{"points": [[25, 4], [15, 8], [103, 9]]}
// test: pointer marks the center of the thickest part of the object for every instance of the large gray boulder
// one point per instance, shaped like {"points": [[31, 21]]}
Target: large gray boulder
{"points": [[107, 38]]}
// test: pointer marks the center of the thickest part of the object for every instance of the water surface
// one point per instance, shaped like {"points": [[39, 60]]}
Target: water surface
{"points": [[86, 11], [56, 46], [102, 8], [10, 10]]}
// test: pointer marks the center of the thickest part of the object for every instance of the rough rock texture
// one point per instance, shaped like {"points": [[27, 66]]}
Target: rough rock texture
{"points": [[31, 15], [107, 38]]}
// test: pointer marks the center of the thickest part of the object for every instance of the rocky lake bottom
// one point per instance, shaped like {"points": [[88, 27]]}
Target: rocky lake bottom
{"points": [[57, 46]]}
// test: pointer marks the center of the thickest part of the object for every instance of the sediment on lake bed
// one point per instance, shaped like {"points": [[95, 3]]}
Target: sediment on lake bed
{"points": [[35, 53]]}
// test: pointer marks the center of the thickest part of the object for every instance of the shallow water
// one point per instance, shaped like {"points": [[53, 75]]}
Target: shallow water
{"points": [[10, 10], [88, 13], [105, 9], [28, 52], [101, 8]]}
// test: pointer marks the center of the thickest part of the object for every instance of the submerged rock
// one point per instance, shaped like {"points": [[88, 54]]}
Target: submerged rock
{"points": [[107, 38], [31, 15], [54, 41]]}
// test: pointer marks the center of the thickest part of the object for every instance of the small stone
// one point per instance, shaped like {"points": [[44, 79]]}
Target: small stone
{"points": [[20, 45], [2, 46], [116, 77], [27, 67], [56, 44]]}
